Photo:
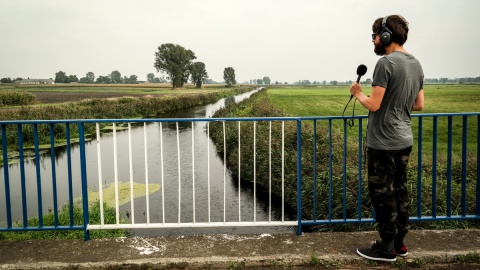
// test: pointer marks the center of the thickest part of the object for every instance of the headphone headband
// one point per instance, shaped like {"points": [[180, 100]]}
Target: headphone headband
{"points": [[385, 34], [384, 22]]}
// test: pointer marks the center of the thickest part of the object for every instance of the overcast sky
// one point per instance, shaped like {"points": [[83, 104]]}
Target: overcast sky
{"points": [[286, 40]]}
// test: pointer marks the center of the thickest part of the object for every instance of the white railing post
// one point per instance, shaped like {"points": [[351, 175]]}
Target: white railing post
{"points": [[100, 180]]}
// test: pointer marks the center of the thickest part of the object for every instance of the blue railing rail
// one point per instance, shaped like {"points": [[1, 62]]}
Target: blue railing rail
{"points": [[462, 183]]}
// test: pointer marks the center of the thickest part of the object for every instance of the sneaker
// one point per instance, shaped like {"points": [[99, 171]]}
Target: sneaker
{"points": [[378, 252], [402, 251]]}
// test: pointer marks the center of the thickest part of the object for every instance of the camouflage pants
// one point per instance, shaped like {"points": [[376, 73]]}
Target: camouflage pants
{"points": [[387, 187]]}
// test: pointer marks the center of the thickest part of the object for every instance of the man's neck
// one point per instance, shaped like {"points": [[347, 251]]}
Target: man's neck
{"points": [[394, 47]]}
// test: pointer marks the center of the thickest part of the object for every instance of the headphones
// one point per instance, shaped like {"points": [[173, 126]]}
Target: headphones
{"points": [[385, 34]]}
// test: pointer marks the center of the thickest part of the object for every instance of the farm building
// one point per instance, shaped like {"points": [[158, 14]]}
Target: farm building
{"points": [[35, 81]]}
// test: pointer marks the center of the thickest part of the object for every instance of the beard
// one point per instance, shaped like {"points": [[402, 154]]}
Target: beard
{"points": [[380, 49]]}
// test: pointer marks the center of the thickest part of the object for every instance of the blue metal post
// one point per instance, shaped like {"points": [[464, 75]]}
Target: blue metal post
{"points": [[83, 168], [330, 170], [434, 167], [22, 175], [344, 201], [464, 165], [39, 178], [449, 167], [478, 167], [360, 148], [299, 176], [69, 167], [54, 175], [6, 179], [419, 167], [315, 170]]}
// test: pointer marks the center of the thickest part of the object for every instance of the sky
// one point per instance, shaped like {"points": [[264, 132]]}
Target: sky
{"points": [[285, 40]]}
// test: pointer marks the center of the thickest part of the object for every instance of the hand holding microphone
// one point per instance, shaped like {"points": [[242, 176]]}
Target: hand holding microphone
{"points": [[361, 70], [355, 88]]}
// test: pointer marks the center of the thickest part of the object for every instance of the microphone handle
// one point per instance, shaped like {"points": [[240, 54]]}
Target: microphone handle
{"points": [[358, 81]]}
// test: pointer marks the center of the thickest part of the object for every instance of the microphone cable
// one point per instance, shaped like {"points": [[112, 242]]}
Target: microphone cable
{"points": [[349, 121]]}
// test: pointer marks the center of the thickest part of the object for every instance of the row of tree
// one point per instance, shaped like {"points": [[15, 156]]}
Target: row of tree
{"points": [[114, 77], [177, 62], [265, 80]]}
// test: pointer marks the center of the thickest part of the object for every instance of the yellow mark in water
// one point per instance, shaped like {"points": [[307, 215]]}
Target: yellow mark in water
{"points": [[139, 190]]}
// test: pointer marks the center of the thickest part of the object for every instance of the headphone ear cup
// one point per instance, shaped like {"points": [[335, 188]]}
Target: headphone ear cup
{"points": [[385, 37]]}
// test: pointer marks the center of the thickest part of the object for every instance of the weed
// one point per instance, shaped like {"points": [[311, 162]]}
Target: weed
{"points": [[314, 259], [400, 263], [236, 265], [468, 258]]}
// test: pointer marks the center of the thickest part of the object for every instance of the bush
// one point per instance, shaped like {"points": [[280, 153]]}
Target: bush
{"points": [[16, 98]]}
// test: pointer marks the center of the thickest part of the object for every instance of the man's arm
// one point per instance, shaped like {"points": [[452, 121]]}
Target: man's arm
{"points": [[419, 101], [372, 102]]}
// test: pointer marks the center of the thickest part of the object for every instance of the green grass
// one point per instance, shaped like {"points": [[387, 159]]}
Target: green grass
{"points": [[330, 100], [64, 220]]}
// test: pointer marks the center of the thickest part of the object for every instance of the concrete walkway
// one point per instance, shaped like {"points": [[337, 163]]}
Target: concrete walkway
{"points": [[235, 251]]}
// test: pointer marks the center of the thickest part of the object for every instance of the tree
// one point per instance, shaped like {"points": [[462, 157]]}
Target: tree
{"points": [[199, 73], [103, 79], [72, 78], [116, 77], [266, 80], [229, 76], [90, 77], [132, 79], [61, 77], [174, 60], [6, 80], [259, 81], [150, 77]]}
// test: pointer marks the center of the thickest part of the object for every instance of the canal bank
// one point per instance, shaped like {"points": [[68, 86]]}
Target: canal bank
{"points": [[428, 249]]}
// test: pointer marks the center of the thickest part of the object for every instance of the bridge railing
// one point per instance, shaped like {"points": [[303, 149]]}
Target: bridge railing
{"points": [[313, 164], [444, 175]]}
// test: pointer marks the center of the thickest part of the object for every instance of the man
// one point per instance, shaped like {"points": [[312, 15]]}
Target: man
{"points": [[397, 89]]}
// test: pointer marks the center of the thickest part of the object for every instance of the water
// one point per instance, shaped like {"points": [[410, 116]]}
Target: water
{"points": [[213, 181]]}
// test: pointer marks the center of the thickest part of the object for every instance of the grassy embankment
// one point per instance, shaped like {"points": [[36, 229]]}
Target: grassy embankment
{"points": [[90, 102], [325, 101]]}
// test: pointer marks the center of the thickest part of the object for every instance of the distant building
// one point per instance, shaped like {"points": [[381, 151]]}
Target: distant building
{"points": [[35, 81]]}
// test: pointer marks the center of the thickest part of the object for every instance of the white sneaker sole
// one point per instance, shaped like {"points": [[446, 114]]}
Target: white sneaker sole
{"points": [[376, 259]]}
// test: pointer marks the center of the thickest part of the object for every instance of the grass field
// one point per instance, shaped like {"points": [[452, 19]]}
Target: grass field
{"points": [[331, 100]]}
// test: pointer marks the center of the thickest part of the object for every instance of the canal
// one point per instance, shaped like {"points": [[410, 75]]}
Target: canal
{"points": [[206, 177]]}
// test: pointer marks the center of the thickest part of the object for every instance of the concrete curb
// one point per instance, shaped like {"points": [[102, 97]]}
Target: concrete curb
{"points": [[233, 251]]}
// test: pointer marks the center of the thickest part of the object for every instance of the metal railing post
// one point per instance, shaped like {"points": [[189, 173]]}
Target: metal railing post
{"points": [[299, 176], [7, 177], [478, 167], [83, 171]]}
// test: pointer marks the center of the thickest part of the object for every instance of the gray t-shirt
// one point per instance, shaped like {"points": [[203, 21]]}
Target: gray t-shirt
{"points": [[402, 76]]}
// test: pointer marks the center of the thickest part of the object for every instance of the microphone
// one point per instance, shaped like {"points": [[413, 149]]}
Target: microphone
{"points": [[361, 70]]}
